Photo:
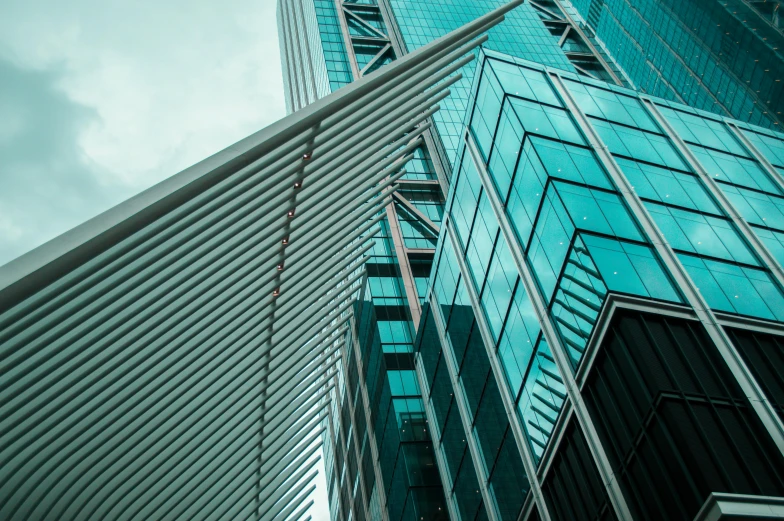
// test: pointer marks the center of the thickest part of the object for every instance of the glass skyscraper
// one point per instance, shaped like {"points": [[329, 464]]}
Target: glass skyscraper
{"points": [[724, 56], [606, 294], [321, 43], [575, 216]]}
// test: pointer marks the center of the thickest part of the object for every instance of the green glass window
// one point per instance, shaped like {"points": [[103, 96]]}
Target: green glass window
{"points": [[668, 186], [702, 234], [735, 289]]}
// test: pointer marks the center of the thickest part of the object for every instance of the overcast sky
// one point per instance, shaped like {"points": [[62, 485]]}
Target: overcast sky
{"points": [[100, 99]]}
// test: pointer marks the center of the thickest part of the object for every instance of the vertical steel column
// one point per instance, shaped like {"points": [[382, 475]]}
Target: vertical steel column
{"points": [[352, 58], [508, 400], [409, 285], [465, 416], [560, 355], [737, 366]]}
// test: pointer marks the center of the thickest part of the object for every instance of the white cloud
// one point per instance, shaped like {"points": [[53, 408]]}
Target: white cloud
{"points": [[167, 83]]}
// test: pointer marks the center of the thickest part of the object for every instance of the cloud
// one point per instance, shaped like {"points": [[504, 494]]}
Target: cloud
{"points": [[47, 183], [116, 96]]}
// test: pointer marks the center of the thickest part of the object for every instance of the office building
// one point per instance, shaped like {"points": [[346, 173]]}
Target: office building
{"points": [[521, 395], [602, 337], [724, 56], [324, 46]]}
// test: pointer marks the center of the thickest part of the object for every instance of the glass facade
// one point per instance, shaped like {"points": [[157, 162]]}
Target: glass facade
{"points": [[725, 56], [521, 34], [480, 318], [538, 221], [313, 55]]}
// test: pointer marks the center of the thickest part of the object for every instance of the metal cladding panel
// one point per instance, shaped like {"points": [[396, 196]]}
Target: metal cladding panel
{"points": [[169, 358]]}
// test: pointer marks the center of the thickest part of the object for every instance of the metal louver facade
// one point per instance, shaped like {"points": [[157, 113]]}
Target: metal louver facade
{"points": [[171, 357]]}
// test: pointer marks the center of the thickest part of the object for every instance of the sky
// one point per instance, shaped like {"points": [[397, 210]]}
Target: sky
{"points": [[100, 99]]}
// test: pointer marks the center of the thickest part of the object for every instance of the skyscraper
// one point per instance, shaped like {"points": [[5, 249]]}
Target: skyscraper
{"points": [[633, 222], [605, 312], [725, 56], [325, 44]]}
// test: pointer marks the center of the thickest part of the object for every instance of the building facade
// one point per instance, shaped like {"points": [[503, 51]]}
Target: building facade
{"points": [[724, 56], [604, 324], [324, 45], [476, 380]]}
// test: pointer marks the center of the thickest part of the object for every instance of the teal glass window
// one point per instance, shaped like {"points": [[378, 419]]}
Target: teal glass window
{"points": [[605, 104], [489, 97], [571, 163], [774, 241], [550, 242], [755, 207], [772, 148], [565, 209], [523, 82], [702, 131], [497, 292], [395, 336], [446, 276], [735, 170], [518, 339], [541, 399], [630, 268], [735, 289], [403, 383], [597, 211], [483, 235], [668, 186], [526, 193], [546, 121], [702, 234], [506, 149], [467, 193], [639, 145]]}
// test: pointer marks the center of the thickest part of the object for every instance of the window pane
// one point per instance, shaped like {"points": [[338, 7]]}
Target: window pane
{"points": [[706, 235], [668, 186], [734, 289]]}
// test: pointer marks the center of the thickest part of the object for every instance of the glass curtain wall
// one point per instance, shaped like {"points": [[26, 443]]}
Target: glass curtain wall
{"points": [[526, 163]]}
